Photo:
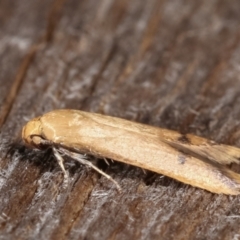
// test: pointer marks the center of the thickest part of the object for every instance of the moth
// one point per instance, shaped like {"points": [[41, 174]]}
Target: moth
{"points": [[190, 159]]}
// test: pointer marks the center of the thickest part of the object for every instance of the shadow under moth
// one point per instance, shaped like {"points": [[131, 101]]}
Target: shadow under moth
{"points": [[187, 158]]}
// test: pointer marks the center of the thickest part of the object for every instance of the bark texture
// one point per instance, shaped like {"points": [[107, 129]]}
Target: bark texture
{"points": [[172, 64]]}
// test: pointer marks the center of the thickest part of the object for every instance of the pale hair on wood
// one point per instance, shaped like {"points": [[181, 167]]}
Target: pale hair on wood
{"points": [[187, 158]]}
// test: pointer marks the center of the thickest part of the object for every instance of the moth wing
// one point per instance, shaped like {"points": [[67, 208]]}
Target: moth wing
{"points": [[206, 149]]}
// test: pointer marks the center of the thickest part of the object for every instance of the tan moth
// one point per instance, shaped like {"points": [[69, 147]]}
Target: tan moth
{"points": [[187, 158]]}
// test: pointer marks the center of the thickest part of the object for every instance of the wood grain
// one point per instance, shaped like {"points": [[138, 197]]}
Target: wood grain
{"points": [[172, 64]]}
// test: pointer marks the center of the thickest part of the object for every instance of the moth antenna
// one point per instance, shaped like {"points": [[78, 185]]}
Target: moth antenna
{"points": [[79, 158]]}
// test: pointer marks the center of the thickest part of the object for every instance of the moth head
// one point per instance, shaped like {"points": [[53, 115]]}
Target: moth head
{"points": [[32, 134]]}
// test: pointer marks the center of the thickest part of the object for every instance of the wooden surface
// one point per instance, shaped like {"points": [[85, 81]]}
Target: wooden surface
{"points": [[172, 64]]}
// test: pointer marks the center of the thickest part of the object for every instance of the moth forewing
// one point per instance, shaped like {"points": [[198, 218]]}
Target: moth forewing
{"points": [[205, 148], [159, 150]]}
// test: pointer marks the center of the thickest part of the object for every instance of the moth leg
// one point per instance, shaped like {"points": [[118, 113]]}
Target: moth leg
{"points": [[106, 161], [80, 159], [60, 161]]}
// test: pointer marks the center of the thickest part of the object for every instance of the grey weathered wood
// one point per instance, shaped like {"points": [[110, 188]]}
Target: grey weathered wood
{"points": [[172, 64]]}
